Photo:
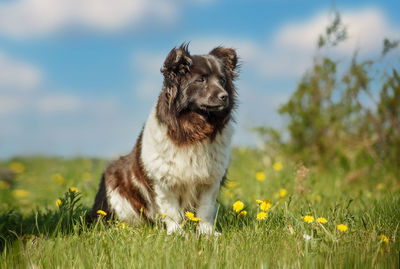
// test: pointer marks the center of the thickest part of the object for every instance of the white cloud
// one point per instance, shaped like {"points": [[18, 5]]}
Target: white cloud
{"points": [[18, 75], [29, 18], [58, 104]]}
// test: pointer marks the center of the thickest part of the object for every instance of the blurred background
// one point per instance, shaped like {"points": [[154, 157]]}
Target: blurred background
{"points": [[79, 77]]}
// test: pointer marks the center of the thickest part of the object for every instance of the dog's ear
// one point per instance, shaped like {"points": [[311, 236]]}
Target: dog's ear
{"points": [[176, 64], [228, 56]]}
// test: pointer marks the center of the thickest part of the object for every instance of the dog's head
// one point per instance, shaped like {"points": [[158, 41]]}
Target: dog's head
{"points": [[200, 83]]}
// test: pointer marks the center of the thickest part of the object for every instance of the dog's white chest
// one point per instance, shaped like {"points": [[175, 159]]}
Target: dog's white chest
{"points": [[201, 163]]}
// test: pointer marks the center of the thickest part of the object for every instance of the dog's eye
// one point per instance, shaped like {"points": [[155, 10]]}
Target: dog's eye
{"points": [[222, 80], [201, 79]]}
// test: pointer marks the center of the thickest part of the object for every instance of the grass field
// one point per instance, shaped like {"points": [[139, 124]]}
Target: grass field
{"points": [[36, 233]]}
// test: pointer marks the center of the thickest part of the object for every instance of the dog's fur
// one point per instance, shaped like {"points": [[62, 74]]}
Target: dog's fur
{"points": [[181, 156]]}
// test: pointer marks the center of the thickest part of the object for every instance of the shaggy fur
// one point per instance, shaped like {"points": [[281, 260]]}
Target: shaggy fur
{"points": [[181, 156]]}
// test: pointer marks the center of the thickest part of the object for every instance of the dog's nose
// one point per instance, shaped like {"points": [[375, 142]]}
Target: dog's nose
{"points": [[223, 96]]}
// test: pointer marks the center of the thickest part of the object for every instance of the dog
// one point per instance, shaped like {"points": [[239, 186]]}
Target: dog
{"points": [[182, 154]]}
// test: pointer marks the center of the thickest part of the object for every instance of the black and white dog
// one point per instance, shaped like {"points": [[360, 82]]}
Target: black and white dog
{"points": [[181, 157]]}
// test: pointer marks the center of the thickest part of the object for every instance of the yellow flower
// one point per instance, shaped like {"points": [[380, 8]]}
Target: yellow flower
{"points": [[282, 192], [58, 202], [191, 216], [20, 193], [322, 220], [73, 189], [238, 205], [122, 225], [317, 198], [379, 186], [242, 214], [58, 178], [308, 219], [384, 238], [231, 184], [101, 212], [261, 215], [342, 227], [260, 176], [4, 185], [278, 166], [265, 206], [259, 201], [163, 215], [17, 167], [86, 176]]}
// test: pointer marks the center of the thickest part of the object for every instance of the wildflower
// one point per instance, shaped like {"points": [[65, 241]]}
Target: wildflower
{"points": [[58, 178], [384, 239], [261, 215], [20, 193], [264, 206], [259, 202], [379, 186], [86, 176], [238, 205], [122, 225], [306, 237], [4, 185], [278, 166], [231, 184], [308, 219], [101, 212], [242, 214], [17, 167], [282, 192], [322, 220], [317, 198], [260, 176], [58, 202], [163, 215], [73, 189], [191, 216], [342, 227]]}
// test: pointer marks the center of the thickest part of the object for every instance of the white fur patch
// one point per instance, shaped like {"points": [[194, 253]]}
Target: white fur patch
{"points": [[121, 207]]}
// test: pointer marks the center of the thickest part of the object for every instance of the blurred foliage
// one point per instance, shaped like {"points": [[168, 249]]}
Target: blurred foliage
{"points": [[346, 116]]}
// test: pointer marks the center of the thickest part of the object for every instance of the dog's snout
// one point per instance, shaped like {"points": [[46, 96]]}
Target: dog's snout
{"points": [[223, 96]]}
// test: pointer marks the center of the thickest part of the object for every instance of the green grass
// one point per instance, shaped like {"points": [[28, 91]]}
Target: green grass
{"points": [[35, 233]]}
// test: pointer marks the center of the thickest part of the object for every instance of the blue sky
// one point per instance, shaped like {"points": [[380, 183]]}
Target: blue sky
{"points": [[79, 77]]}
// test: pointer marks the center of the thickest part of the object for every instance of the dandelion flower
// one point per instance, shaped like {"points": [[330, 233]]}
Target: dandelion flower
{"points": [[264, 206], [237, 206], [4, 185], [384, 239], [342, 227], [191, 216], [58, 178], [101, 212], [231, 184], [17, 167], [123, 225], [259, 202], [20, 193], [163, 215], [278, 166], [58, 202], [308, 219], [73, 189], [260, 176], [261, 215], [282, 192], [242, 214], [322, 220], [379, 186]]}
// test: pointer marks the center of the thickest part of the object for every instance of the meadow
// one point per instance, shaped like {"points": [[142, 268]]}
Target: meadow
{"points": [[272, 214]]}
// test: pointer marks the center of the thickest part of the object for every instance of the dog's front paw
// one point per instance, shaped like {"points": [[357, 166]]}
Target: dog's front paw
{"points": [[207, 228]]}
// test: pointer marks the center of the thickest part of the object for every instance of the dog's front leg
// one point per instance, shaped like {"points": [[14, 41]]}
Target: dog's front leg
{"points": [[168, 204], [207, 209]]}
